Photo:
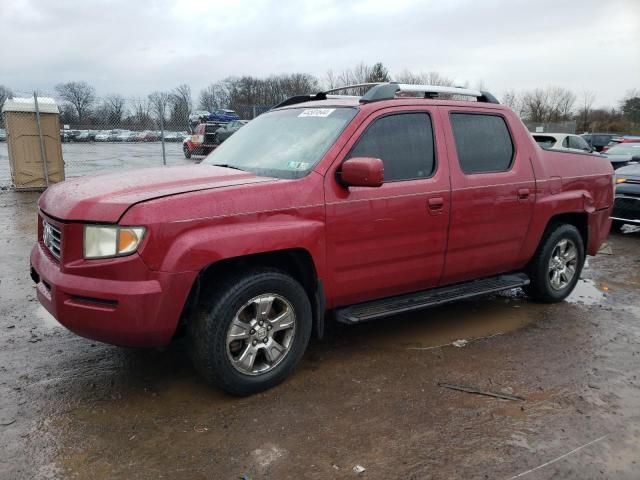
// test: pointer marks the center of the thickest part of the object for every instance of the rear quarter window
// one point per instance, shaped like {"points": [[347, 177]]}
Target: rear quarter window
{"points": [[483, 142]]}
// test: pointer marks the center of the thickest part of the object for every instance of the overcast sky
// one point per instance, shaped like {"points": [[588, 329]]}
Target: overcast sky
{"points": [[134, 47]]}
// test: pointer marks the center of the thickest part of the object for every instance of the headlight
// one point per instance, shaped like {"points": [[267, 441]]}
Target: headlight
{"points": [[620, 179], [101, 241]]}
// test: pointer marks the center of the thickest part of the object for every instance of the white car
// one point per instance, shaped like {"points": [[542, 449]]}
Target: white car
{"points": [[196, 115], [562, 141], [103, 136]]}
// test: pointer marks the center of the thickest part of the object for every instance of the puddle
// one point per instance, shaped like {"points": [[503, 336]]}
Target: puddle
{"points": [[47, 319], [434, 327], [587, 293]]}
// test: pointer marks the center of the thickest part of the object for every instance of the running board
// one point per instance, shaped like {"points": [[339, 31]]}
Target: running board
{"points": [[363, 312]]}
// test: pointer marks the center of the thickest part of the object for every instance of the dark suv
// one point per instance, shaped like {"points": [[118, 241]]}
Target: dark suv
{"points": [[598, 141]]}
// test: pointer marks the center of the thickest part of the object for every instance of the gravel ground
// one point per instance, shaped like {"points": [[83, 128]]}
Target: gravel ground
{"points": [[366, 396]]}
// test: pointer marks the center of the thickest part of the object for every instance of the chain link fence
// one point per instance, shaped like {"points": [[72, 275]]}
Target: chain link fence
{"points": [[129, 135], [558, 127]]}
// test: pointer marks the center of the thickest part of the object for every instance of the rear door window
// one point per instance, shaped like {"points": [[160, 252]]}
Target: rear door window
{"points": [[483, 142], [404, 143]]}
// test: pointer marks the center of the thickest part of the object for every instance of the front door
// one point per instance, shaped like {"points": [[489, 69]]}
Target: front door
{"points": [[388, 240]]}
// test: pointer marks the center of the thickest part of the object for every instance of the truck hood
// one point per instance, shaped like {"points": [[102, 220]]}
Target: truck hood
{"points": [[105, 198]]}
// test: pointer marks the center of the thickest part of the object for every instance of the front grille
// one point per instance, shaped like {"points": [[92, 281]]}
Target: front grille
{"points": [[52, 238], [626, 208]]}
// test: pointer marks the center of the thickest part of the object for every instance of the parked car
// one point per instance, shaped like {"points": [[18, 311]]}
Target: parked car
{"points": [[115, 133], [198, 115], [362, 207], [173, 137], [125, 136], [68, 135], [82, 136], [229, 129], [617, 140], [626, 208], [146, 136], [223, 116], [598, 140], [3, 135], [562, 141], [103, 136], [622, 154]]}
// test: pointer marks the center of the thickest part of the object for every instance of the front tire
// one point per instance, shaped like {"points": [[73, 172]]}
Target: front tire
{"points": [[251, 331], [557, 264], [187, 152]]}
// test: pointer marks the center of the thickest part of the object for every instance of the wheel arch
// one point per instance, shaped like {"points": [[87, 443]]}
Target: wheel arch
{"points": [[296, 262], [580, 220]]}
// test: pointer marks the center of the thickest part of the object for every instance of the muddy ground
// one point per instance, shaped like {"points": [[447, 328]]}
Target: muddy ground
{"points": [[368, 395]]}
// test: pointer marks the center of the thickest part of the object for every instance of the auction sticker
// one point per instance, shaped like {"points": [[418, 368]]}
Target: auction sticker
{"points": [[298, 165], [316, 112]]}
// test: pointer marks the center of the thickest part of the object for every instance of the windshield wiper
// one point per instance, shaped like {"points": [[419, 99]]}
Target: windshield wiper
{"points": [[226, 165]]}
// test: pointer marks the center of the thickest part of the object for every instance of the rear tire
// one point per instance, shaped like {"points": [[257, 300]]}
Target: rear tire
{"points": [[187, 152], [555, 269], [250, 331]]}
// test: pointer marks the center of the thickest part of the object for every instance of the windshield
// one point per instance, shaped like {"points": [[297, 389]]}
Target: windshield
{"points": [[283, 143], [625, 149]]}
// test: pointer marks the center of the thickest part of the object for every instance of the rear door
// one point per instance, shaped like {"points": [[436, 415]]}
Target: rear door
{"points": [[492, 194], [391, 239]]}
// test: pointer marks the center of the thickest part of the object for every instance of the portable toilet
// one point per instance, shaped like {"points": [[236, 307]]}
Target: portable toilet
{"points": [[35, 152]]}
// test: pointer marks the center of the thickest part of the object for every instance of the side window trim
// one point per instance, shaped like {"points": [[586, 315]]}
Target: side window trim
{"points": [[514, 150], [429, 115]]}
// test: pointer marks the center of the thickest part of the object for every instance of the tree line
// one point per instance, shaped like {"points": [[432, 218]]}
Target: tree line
{"points": [[80, 106]]}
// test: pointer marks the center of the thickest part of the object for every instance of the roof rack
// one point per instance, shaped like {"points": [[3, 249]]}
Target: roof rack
{"points": [[388, 91]]}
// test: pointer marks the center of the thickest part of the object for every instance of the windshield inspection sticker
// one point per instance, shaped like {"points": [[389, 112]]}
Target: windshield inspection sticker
{"points": [[316, 112], [298, 165]]}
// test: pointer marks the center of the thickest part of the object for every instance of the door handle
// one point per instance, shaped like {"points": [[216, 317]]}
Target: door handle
{"points": [[523, 193], [435, 203]]}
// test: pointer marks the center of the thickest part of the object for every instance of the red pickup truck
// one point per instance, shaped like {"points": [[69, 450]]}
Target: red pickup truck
{"points": [[357, 207]]}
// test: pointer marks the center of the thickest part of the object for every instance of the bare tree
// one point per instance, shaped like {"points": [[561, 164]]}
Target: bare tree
{"points": [[330, 80], [114, 109], [158, 105], [560, 104], [586, 105], [513, 100], [362, 73], [422, 78], [536, 105], [80, 95], [141, 111]]}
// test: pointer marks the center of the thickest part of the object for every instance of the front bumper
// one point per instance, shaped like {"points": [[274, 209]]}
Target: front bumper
{"points": [[626, 208], [140, 309]]}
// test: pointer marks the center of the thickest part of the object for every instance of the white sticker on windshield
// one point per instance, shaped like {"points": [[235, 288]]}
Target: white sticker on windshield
{"points": [[298, 165], [317, 112]]}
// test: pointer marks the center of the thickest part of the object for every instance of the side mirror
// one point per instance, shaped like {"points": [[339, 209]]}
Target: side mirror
{"points": [[362, 172]]}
